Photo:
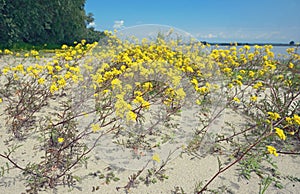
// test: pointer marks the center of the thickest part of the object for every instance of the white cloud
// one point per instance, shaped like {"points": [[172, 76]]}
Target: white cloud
{"points": [[92, 24], [118, 24], [251, 35], [208, 36]]}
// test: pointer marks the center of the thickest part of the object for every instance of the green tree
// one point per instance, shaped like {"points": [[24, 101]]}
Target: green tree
{"points": [[37, 22]]}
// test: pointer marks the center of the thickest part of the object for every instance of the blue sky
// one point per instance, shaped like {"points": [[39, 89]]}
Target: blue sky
{"points": [[207, 20]]}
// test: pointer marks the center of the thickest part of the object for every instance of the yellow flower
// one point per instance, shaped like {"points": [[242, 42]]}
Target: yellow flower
{"points": [[41, 81], [291, 132], [68, 75], [60, 139], [53, 87], [288, 82], [147, 86], [5, 70], [73, 52], [198, 102], [83, 41], [280, 77], [194, 81], [230, 85], [236, 99], [289, 120], [238, 82], [257, 85], [50, 69], [291, 65], [242, 71], [280, 133], [272, 150], [34, 52], [156, 157], [61, 82], [1, 100], [58, 68], [247, 47], [146, 104], [7, 52], [274, 116], [251, 73], [19, 67], [116, 82], [138, 100], [189, 69], [131, 116], [202, 90], [64, 47], [296, 119], [239, 77], [180, 94], [253, 98], [68, 58], [95, 127]]}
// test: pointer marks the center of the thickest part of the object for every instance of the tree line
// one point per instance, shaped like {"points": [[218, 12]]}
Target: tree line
{"points": [[40, 22]]}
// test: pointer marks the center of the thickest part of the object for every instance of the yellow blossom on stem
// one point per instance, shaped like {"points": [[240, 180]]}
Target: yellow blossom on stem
{"points": [[116, 82], [156, 157], [280, 133], [251, 74], [247, 47], [147, 86], [272, 150], [289, 120], [61, 82], [230, 85], [238, 82], [64, 47], [53, 87], [242, 71], [296, 119], [131, 116], [194, 81], [58, 68], [236, 99], [253, 98], [274, 116], [202, 90], [34, 52], [5, 70], [258, 85], [291, 132], [41, 81], [239, 77], [95, 127], [60, 139], [68, 58], [146, 104]]}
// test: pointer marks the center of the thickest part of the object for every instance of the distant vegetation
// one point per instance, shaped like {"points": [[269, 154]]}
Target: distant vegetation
{"points": [[291, 43], [44, 23]]}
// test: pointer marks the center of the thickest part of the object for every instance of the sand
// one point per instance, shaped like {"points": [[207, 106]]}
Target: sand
{"points": [[183, 171]]}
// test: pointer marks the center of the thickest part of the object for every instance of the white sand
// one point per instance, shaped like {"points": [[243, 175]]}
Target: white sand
{"points": [[185, 171]]}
